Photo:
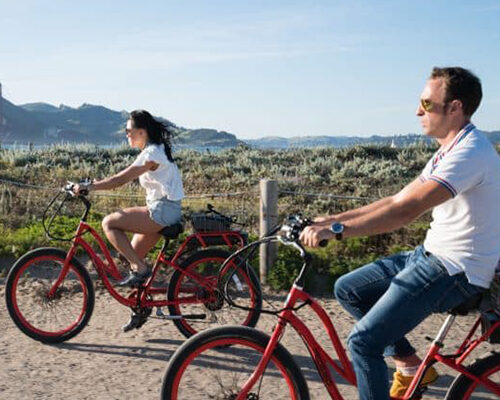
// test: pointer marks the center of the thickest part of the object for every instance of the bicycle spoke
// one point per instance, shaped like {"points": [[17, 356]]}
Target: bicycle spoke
{"points": [[39, 312], [228, 362], [193, 298]]}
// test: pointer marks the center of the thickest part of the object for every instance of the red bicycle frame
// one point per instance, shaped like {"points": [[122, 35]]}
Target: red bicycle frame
{"points": [[455, 360], [107, 266], [318, 354], [344, 368]]}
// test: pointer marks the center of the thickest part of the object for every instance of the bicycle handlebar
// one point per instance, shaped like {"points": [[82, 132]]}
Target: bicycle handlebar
{"points": [[293, 226], [69, 187], [289, 234], [69, 194]]}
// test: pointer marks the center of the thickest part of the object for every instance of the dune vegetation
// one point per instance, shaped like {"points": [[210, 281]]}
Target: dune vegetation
{"points": [[309, 180]]}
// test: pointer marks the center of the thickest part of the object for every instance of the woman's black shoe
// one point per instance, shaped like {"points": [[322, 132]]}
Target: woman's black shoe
{"points": [[135, 279], [137, 319]]}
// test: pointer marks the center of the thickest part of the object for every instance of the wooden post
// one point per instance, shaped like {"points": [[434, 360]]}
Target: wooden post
{"points": [[268, 219]]}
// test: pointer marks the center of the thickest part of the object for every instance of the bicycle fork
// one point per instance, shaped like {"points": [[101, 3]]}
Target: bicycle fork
{"points": [[62, 274], [278, 332]]}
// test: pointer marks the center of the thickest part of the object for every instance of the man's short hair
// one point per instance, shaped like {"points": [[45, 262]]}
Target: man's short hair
{"points": [[460, 84]]}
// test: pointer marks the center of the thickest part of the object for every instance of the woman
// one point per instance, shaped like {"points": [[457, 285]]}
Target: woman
{"points": [[159, 175]]}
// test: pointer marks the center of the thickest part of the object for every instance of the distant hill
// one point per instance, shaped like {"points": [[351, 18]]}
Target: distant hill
{"points": [[208, 138], [274, 142], [42, 123], [43, 107], [335, 141]]}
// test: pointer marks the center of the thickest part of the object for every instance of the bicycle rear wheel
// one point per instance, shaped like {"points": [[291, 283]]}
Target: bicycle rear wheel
{"points": [[464, 388], [42, 310], [215, 363], [208, 304]]}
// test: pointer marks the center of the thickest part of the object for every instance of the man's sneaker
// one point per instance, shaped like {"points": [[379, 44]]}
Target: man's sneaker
{"points": [[401, 382], [137, 319]]}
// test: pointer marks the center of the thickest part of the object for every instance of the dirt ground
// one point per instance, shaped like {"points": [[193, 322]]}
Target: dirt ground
{"points": [[102, 362]]}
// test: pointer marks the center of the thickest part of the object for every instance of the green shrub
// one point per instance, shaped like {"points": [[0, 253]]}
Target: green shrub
{"points": [[363, 171], [285, 269]]}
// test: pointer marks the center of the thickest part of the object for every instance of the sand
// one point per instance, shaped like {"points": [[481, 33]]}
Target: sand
{"points": [[102, 362]]}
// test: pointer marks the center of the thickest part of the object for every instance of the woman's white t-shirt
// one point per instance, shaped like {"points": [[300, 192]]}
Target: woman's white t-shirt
{"points": [[165, 181]]}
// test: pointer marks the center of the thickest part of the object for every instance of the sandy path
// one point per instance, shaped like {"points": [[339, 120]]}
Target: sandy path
{"points": [[104, 363]]}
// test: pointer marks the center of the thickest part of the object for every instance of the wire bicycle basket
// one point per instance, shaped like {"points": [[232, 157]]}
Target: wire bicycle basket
{"points": [[211, 221]]}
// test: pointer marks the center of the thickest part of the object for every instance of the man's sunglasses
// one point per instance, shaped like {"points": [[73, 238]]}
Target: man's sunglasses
{"points": [[428, 105]]}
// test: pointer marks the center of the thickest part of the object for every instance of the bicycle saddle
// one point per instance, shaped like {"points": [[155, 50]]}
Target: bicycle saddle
{"points": [[467, 306], [172, 231]]}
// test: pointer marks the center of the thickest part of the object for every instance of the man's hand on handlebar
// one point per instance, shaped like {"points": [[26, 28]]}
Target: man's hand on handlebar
{"points": [[316, 235]]}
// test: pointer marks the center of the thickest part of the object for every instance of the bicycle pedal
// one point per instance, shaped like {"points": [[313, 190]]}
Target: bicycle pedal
{"points": [[194, 316], [159, 312]]}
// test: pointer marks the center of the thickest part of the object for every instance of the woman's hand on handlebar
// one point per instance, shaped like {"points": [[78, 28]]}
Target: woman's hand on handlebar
{"points": [[82, 188], [316, 235]]}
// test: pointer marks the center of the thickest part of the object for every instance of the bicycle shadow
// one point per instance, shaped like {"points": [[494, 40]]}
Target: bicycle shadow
{"points": [[218, 359], [140, 352], [438, 389]]}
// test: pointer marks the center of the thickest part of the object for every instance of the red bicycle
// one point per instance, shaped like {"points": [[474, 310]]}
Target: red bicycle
{"points": [[50, 295], [245, 363]]}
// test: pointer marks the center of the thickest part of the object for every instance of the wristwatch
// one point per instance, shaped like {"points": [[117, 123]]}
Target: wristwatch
{"points": [[338, 229]]}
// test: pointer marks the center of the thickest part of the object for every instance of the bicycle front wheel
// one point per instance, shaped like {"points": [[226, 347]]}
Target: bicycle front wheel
{"points": [[204, 306], [46, 302], [464, 388], [216, 363]]}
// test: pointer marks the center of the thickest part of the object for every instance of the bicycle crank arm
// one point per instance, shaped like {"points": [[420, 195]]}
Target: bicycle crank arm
{"points": [[186, 316], [193, 316]]}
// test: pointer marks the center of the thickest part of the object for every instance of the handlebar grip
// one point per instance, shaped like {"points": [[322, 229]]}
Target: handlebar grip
{"points": [[323, 243]]}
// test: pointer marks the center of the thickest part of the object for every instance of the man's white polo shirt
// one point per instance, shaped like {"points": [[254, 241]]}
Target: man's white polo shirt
{"points": [[465, 231]]}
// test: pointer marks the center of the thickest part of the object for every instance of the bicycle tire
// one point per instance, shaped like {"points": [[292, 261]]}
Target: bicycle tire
{"points": [[220, 348], [463, 388], [219, 312], [47, 320]]}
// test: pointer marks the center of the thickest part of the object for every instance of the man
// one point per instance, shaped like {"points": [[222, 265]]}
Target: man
{"points": [[461, 183]]}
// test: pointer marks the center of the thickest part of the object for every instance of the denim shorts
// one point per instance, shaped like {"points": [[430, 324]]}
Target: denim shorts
{"points": [[164, 212]]}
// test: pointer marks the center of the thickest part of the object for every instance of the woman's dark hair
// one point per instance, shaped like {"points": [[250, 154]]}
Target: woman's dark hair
{"points": [[158, 132]]}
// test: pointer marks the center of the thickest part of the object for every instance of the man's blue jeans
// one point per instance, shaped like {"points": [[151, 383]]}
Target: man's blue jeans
{"points": [[389, 298]]}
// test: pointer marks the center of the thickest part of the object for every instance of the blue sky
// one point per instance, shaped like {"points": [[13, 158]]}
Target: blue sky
{"points": [[253, 68]]}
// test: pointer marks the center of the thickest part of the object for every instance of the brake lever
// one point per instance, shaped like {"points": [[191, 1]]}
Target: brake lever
{"points": [[71, 185], [302, 223], [68, 188]]}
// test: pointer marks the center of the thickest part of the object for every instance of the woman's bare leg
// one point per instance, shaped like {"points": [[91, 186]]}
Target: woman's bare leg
{"points": [[136, 220], [142, 243]]}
